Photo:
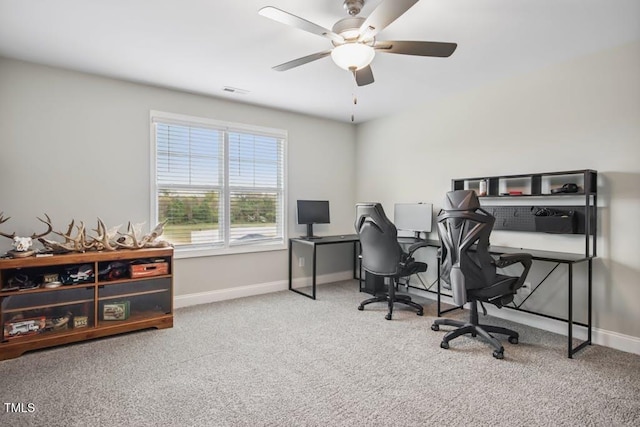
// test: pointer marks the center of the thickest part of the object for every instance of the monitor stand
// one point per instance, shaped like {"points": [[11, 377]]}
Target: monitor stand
{"points": [[310, 235]]}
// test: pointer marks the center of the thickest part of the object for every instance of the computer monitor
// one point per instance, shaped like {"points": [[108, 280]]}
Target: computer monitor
{"points": [[312, 212], [415, 217]]}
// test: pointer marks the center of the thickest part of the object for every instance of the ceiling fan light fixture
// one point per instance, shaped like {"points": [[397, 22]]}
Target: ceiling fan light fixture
{"points": [[350, 56]]}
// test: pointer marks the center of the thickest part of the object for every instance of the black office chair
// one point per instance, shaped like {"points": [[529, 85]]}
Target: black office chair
{"points": [[469, 270], [382, 255]]}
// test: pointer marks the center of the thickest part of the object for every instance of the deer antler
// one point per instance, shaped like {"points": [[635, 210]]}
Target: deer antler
{"points": [[75, 243], [103, 240], [35, 236], [48, 223], [131, 234], [80, 239], [67, 236], [70, 244], [3, 220]]}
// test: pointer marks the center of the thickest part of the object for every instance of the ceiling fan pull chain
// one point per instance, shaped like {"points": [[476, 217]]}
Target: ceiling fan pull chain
{"points": [[354, 96], [353, 108]]}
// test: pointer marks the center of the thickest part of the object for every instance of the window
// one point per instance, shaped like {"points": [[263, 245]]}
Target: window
{"points": [[219, 186]]}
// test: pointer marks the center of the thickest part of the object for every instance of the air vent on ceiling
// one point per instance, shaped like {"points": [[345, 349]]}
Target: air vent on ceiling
{"points": [[235, 90]]}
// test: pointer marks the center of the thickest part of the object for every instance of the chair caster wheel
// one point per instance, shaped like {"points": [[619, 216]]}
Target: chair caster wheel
{"points": [[435, 327], [420, 313], [498, 354], [445, 345], [361, 307], [513, 340], [388, 317]]}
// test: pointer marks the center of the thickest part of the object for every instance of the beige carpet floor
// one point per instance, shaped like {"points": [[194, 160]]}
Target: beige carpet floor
{"points": [[284, 360]]}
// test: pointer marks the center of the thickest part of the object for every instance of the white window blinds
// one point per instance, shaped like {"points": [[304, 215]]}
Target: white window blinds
{"points": [[218, 185]]}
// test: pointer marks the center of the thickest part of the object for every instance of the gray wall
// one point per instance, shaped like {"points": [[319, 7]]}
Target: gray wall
{"points": [[76, 146], [577, 115]]}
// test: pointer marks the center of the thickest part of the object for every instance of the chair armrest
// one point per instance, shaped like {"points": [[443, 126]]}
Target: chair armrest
{"points": [[416, 246], [506, 260]]}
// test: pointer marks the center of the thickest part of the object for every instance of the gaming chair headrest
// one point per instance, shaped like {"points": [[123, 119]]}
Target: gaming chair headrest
{"points": [[461, 200], [367, 209]]}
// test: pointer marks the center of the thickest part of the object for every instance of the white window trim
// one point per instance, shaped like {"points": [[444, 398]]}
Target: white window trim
{"points": [[194, 251]]}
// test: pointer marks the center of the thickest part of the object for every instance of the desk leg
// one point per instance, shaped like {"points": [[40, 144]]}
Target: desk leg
{"points": [[313, 283], [587, 342], [571, 349], [355, 259], [297, 291], [290, 267], [570, 311], [360, 275], [589, 299], [439, 289]]}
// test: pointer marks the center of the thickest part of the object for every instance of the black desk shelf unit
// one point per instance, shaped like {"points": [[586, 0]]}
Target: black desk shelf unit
{"points": [[537, 188]]}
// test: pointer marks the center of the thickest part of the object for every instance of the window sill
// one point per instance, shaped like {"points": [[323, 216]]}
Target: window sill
{"points": [[182, 253]]}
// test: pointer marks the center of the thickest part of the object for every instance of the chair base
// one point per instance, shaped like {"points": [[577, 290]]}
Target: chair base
{"points": [[475, 329], [390, 299]]}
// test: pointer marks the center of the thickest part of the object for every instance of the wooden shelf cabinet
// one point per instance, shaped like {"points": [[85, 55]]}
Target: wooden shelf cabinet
{"points": [[98, 298]]}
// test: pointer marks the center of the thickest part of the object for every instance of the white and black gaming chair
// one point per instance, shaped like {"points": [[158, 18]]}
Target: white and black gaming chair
{"points": [[468, 269]]}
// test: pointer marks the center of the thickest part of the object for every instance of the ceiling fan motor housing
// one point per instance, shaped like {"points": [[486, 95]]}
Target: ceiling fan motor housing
{"points": [[353, 6], [349, 28]]}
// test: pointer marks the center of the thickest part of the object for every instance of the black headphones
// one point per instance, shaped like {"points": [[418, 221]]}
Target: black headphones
{"points": [[567, 188]]}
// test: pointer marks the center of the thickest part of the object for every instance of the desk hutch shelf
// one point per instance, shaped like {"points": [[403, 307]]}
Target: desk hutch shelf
{"points": [[535, 184], [532, 192], [93, 303]]}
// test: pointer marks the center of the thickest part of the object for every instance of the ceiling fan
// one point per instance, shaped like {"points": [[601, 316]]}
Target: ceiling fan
{"points": [[354, 38]]}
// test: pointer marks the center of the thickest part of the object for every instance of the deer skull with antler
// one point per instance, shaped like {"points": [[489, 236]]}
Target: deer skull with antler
{"points": [[134, 239], [23, 244]]}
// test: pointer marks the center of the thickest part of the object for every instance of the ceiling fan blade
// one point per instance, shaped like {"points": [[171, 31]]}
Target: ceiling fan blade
{"points": [[364, 76], [383, 15], [439, 49], [295, 21], [302, 61]]}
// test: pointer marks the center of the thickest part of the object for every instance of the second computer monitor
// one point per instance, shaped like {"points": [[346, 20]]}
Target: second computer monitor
{"points": [[415, 217], [311, 212]]}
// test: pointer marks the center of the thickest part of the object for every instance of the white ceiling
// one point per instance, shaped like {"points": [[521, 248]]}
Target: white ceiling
{"points": [[202, 46]]}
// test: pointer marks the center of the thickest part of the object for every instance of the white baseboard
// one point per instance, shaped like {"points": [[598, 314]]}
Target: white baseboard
{"points": [[615, 340], [601, 337], [257, 289]]}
